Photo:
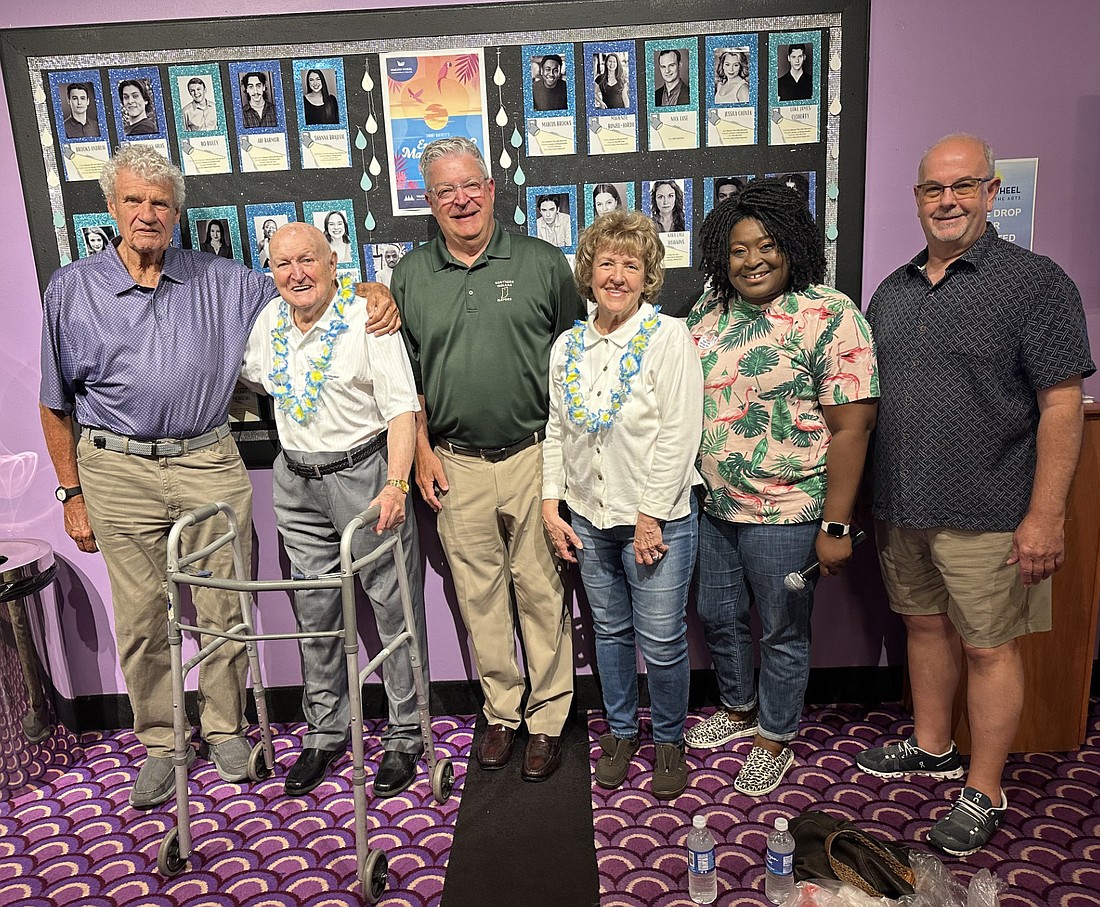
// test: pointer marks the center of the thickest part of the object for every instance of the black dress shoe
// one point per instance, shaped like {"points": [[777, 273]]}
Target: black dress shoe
{"points": [[396, 773], [310, 770]]}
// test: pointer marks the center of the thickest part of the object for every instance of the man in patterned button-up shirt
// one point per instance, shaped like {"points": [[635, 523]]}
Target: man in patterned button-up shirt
{"points": [[982, 347]]}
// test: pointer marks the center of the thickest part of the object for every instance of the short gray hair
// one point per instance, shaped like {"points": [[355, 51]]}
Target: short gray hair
{"points": [[987, 151], [450, 147], [150, 165]]}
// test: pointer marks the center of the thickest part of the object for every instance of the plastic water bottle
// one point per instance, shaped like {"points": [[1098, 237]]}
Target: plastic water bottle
{"points": [[779, 881], [702, 870]]}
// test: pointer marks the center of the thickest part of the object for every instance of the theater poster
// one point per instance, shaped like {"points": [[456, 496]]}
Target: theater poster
{"points": [[430, 96]]}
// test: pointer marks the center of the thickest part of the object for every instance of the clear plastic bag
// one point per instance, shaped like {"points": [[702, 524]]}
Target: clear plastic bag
{"points": [[935, 888]]}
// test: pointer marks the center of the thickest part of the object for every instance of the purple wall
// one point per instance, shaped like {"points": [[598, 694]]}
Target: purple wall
{"points": [[923, 84]]}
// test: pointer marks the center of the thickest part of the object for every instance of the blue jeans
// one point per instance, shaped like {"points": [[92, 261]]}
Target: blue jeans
{"points": [[645, 604], [731, 555]]}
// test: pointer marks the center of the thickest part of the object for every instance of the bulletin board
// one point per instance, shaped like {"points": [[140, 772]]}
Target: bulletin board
{"points": [[578, 107]]}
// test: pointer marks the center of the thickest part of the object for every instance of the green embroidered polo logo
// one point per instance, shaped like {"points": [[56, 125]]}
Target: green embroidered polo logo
{"points": [[505, 287]]}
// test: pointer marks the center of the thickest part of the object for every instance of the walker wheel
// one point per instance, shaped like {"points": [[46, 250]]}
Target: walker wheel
{"points": [[257, 765], [169, 861], [443, 780], [374, 875]]}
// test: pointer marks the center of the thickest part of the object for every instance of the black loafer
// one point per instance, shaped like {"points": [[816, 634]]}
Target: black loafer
{"points": [[310, 770], [396, 773]]}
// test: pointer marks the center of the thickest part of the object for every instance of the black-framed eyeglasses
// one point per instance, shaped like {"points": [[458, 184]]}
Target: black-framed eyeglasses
{"points": [[964, 188], [445, 193]]}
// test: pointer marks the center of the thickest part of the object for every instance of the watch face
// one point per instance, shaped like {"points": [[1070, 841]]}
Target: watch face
{"points": [[60, 494]]}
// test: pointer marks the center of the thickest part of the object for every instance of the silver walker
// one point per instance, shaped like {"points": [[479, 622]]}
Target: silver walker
{"points": [[177, 844]]}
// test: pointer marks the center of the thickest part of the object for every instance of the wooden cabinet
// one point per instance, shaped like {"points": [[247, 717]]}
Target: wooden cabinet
{"points": [[1058, 664]]}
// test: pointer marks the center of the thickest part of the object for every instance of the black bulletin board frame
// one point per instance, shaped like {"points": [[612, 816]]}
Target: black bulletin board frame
{"points": [[28, 54]]}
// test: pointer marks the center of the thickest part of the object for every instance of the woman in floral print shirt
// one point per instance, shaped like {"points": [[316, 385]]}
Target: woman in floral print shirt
{"points": [[790, 383]]}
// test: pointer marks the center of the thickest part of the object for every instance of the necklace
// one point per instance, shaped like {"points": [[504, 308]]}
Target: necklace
{"points": [[300, 408], [629, 365]]}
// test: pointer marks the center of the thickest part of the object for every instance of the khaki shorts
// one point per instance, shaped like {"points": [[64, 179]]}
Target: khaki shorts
{"points": [[961, 574]]}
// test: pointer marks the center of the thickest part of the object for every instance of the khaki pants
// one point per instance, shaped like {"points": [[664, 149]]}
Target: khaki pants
{"points": [[492, 532], [132, 502]]}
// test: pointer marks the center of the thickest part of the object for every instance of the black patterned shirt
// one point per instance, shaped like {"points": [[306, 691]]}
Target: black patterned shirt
{"points": [[959, 365]]}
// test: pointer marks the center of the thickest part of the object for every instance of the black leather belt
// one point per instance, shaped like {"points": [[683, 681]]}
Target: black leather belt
{"points": [[495, 454], [316, 470]]}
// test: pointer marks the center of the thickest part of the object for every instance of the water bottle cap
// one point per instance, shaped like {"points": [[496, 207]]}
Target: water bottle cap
{"points": [[699, 821], [781, 824]]}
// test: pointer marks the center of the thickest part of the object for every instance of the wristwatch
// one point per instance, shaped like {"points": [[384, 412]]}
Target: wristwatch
{"points": [[836, 530], [400, 484], [63, 494]]}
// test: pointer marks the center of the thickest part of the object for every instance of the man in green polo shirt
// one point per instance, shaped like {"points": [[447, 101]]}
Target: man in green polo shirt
{"points": [[480, 310]]}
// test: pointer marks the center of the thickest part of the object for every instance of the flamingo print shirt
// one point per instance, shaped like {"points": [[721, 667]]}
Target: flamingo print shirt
{"points": [[767, 372]]}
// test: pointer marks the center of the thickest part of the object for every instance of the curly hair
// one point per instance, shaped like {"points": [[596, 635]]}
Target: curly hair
{"points": [[146, 163], [783, 214], [628, 233], [678, 222]]}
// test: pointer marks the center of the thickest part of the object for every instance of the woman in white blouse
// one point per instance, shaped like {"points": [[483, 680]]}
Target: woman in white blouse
{"points": [[626, 414]]}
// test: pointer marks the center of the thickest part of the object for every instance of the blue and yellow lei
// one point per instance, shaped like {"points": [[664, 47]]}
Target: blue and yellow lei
{"points": [[301, 408], [629, 366]]}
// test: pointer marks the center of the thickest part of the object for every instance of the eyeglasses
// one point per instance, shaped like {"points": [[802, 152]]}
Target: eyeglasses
{"points": [[964, 188], [445, 192]]}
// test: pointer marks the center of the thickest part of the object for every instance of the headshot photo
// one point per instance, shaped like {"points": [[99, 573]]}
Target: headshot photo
{"points": [[727, 187], [548, 88], [200, 113], [731, 76], [263, 228], [257, 111], [667, 206], [611, 78], [606, 197], [795, 82], [386, 255], [136, 111], [670, 68], [214, 238], [319, 97], [96, 239], [334, 224], [78, 104], [554, 224]]}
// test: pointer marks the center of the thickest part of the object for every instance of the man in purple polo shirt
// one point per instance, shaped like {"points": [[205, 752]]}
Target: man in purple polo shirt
{"points": [[141, 345]]}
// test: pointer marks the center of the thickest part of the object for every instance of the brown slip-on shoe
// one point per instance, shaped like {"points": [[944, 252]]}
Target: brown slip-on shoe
{"points": [[670, 771], [541, 758], [613, 765], [495, 747]]}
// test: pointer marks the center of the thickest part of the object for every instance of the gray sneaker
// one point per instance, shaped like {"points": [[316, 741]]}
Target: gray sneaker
{"points": [[719, 729], [156, 782], [970, 824], [906, 758], [230, 758]]}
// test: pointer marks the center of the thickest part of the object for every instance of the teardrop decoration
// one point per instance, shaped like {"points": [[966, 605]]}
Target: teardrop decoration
{"points": [[360, 140], [520, 217], [369, 222], [372, 124], [374, 167], [520, 177], [502, 118], [505, 159], [834, 63], [831, 233], [368, 82], [516, 139], [498, 76], [365, 183], [40, 95], [52, 179], [834, 107]]}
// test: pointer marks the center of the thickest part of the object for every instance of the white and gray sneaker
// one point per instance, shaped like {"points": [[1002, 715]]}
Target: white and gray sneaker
{"points": [[906, 758], [719, 729], [762, 771], [970, 824]]}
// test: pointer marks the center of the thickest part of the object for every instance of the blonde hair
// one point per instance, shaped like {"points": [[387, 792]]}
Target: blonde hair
{"points": [[629, 232]]}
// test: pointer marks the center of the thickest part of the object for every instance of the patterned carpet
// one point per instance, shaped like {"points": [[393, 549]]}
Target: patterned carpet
{"points": [[72, 839]]}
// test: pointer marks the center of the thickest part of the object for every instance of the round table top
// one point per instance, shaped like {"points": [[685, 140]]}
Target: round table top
{"points": [[23, 558]]}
